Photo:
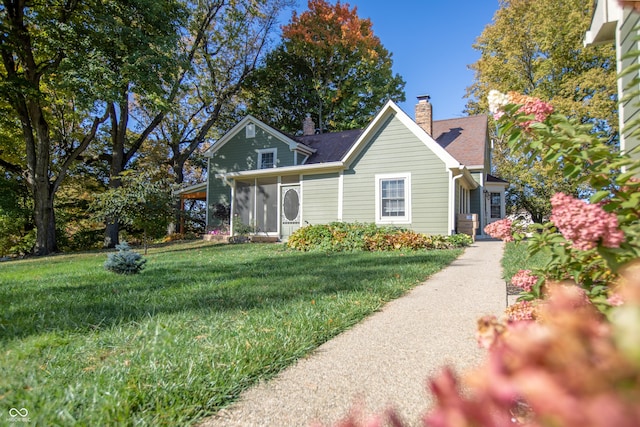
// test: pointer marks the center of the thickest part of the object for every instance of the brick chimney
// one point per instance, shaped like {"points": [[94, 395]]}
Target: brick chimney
{"points": [[308, 127], [424, 117]]}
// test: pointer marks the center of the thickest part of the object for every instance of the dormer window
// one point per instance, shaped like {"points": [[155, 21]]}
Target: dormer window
{"points": [[267, 158]]}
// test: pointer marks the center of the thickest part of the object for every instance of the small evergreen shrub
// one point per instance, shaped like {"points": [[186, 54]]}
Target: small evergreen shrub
{"points": [[125, 261]]}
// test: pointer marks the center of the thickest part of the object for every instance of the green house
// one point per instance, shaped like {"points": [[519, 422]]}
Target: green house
{"points": [[619, 25], [429, 176]]}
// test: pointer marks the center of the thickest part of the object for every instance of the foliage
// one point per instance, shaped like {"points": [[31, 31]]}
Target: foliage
{"points": [[125, 261], [62, 63], [330, 64], [343, 236], [17, 236], [588, 242], [536, 48], [569, 369], [141, 202], [83, 346]]}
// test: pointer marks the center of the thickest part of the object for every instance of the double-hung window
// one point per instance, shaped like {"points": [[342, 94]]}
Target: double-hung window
{"points": [[393, 198], [267, 158]]}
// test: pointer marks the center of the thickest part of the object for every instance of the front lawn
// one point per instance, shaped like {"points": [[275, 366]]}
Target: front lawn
{"points": [[201, 323], [516, 258]]}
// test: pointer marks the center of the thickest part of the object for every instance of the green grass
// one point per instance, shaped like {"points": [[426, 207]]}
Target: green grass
{"points": [[201, 323], [515, 258]]}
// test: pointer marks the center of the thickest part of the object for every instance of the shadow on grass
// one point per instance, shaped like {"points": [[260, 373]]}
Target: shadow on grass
{"points": [[202, 280]]}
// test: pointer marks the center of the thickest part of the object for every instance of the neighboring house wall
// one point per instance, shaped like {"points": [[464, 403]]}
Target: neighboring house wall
{"points": [[629, 109], [394, 150], [613, 24], [320, 198]]}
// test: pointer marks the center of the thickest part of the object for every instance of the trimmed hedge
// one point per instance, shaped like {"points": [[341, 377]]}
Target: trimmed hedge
{"points": [[344, 236]]}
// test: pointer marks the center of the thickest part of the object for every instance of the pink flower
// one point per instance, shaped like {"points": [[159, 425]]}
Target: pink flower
{"points": [[584, 224], [500, 230], [615, 300], [529, 106], [524, 280], [520, 311]]}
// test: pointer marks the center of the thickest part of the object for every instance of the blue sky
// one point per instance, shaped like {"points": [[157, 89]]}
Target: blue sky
{"points": [[431, 42]]}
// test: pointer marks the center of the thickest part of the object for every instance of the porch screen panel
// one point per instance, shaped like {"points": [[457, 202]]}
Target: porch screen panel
{"points": [[243, 203], [267, 206]]}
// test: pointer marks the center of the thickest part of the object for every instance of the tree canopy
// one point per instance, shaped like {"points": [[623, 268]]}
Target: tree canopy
{"points": [[536, 48], [329, 64]]}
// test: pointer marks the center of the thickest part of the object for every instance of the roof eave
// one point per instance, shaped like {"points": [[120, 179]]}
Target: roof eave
{"points": [[287, 170]]}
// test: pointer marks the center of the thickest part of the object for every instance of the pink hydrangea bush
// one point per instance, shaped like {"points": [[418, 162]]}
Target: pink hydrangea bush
{"points": [[524, 280], [570, 369], [529, 106], [500, 230], [584, 224]]}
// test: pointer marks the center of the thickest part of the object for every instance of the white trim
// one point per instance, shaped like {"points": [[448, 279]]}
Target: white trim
{"points": [[232, 208], [311, 169], [340, 194], [406, 219], [301, 180], [250, 130], [266, 151], [452, 201], [279, 207]]}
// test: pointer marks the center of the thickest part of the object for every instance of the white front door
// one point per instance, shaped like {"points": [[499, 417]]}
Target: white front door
{"points": [[290, 210]]}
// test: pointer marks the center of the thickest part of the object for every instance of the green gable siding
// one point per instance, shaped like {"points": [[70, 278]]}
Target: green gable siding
{"points": [[395, 149], [320, 198], [241, 153]]}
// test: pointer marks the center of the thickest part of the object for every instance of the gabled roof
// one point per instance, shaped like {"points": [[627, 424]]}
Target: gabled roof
{"points": [[330, 147], [495, 179], [392, 109], [458, 142], [286, 139], [464, 138]]}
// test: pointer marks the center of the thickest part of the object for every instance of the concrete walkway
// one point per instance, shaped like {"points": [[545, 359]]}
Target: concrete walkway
{"points": [[385, 360]]}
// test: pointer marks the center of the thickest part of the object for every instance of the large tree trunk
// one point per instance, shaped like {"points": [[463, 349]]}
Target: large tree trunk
{"points": [[38, 158], [118, 160]]}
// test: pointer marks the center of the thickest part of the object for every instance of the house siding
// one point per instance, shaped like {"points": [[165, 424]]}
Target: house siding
{"points": [[217, 192], [395, 149], [629, 109], [241, 153], [320, 198]]}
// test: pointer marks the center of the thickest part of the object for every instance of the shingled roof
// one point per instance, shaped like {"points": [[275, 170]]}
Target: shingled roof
{"points": [[330, 147], [464, 138]]}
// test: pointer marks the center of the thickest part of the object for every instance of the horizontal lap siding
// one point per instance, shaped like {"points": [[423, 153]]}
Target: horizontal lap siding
{"points": [[395, 149], [241, 153], [320, 198], [630, 109], [217, 192]]}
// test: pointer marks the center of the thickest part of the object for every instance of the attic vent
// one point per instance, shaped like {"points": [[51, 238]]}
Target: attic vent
{"points": [[250, 130]]}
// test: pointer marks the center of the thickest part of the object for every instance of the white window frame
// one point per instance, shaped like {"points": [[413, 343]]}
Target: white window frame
{"points": [[406, 219], [250, 130], [274, 151]]}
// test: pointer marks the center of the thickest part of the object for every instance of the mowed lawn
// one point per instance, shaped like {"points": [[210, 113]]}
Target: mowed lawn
{"points": [[202, 322]]}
